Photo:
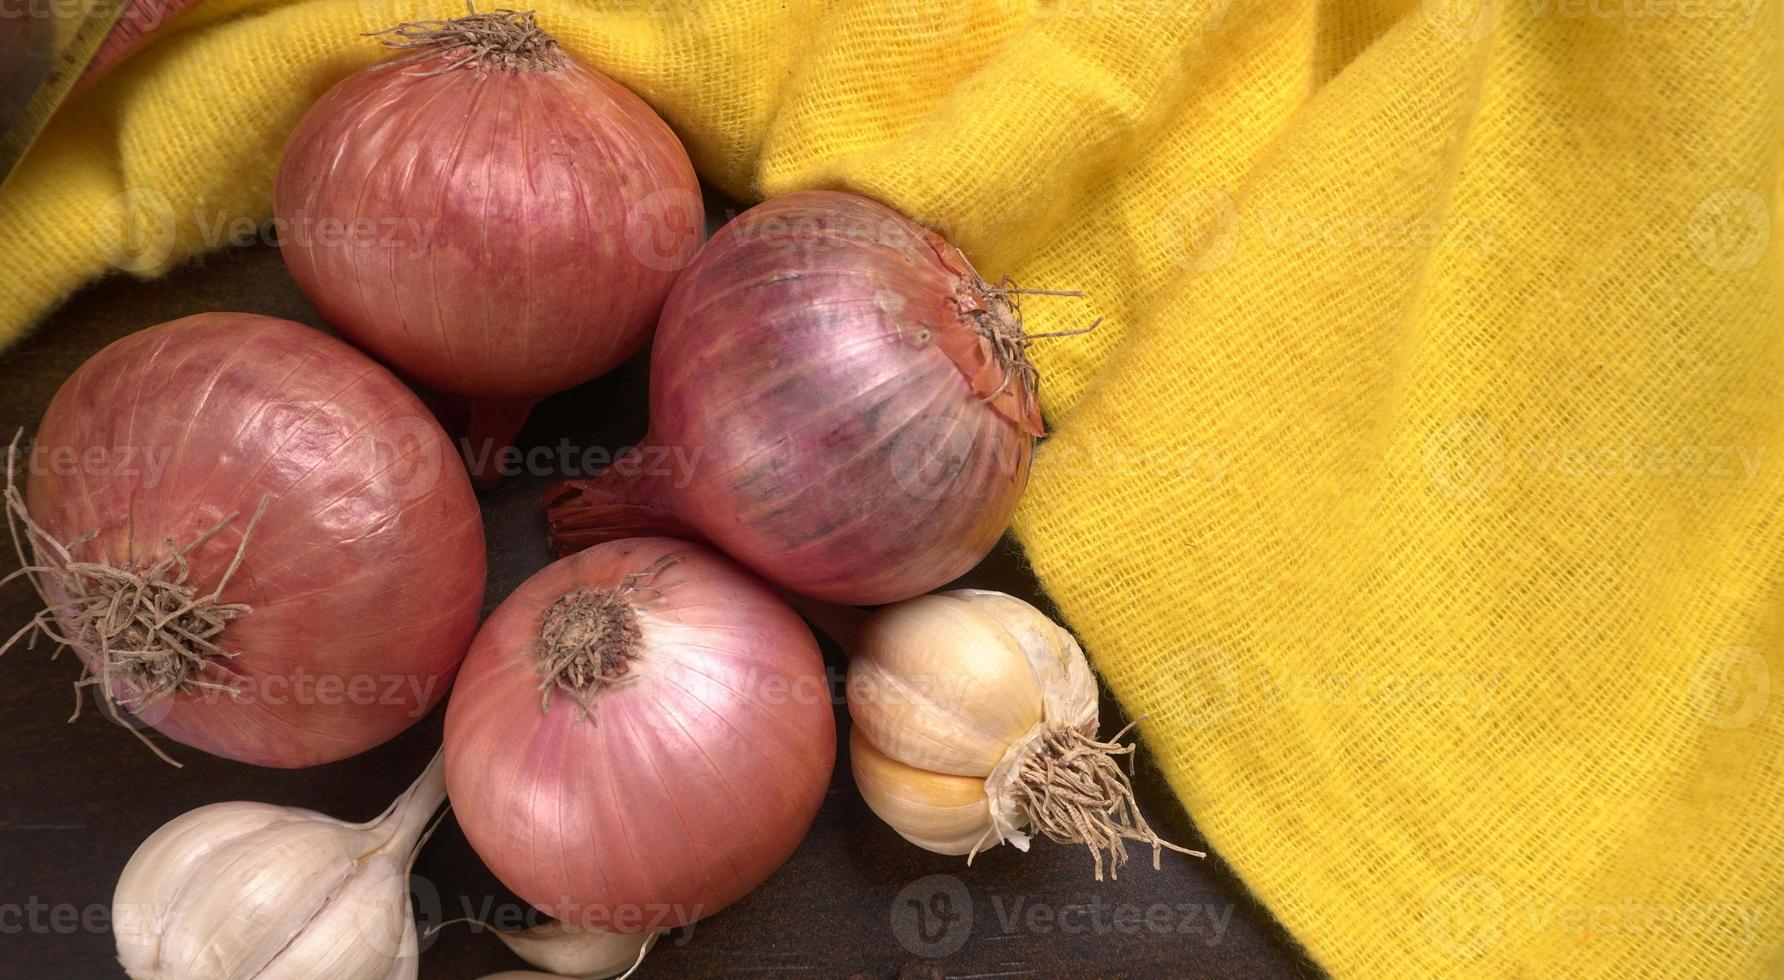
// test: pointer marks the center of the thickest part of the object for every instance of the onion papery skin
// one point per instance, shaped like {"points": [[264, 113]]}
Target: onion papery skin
{"points": [[519, 228], [365, 574], [849, 435], [684, 786]]}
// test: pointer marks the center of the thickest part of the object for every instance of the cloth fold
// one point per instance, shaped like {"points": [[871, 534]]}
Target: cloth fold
{"points": [[1423, 486]]}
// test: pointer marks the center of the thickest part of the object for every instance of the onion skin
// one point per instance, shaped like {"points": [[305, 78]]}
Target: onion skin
{"points": [[522, 226], [854, 438], [697, 775], [365, 576], [138, 24]]}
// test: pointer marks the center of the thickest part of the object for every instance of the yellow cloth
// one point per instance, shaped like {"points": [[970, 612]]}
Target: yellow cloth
{"points": [[1423, 486]]}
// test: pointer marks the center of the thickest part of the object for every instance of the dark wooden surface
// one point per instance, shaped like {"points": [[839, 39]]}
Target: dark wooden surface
{"points": [[76, 799]]}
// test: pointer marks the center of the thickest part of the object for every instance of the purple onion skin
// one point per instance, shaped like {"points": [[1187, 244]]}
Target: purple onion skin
{"points": [[829, 416], [680, 788], [364, 578], [496, 235]]}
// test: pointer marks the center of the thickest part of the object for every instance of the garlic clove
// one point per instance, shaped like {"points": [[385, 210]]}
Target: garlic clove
{"points": [[249, 890], [940, 685], [568, 951], [162, 865], [254, 895], [938, 812], [360, 932], [1068, 688], [408, 961]]}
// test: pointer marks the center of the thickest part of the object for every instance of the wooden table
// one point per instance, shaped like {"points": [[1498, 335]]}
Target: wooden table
{"points": [[854, 901]]}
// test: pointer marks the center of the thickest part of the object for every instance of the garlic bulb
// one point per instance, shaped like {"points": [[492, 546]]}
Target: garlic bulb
{"points": [[975, 718], [239, 890]]}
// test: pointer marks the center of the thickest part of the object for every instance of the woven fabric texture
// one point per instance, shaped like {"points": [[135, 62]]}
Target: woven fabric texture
{"points": [[1423, 485]]}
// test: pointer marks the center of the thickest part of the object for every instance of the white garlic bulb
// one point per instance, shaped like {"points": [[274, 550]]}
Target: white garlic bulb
{"points": [[239, 890], [975, 720]]}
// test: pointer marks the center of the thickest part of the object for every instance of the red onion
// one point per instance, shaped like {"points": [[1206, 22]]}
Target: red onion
{"points": [[641, 734], [487, 216], [255, 539], [854, 406]]}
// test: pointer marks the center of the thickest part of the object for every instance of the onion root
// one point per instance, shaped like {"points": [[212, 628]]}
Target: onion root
{"points": [[143, 627], [509, 40], [589, 638]]}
